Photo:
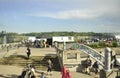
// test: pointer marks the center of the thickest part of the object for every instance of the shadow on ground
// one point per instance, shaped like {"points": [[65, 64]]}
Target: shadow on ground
{"points": [[9, 76]]}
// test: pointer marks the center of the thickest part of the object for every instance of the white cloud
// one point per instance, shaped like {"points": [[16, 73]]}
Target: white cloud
{"points": [[80, 14], [81, 9], [71, 14]]}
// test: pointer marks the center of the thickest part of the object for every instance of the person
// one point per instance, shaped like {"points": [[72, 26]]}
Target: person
{"points": [[28, 52], [68, 74], [49, 65], [88, 65], [7, 48], [113, 62], [63, 72], [31, 72], [27, 68], [42, 75], [96, 67], [23, 74]]}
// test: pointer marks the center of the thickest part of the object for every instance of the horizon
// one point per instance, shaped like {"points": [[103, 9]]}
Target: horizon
{"points": [[65, 32], [26, 16]]}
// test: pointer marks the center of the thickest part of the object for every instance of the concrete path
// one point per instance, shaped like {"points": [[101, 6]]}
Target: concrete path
{"points": [[7, 71]]}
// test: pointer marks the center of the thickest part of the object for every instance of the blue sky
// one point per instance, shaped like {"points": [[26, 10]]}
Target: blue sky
{"points": [[23, 16]]}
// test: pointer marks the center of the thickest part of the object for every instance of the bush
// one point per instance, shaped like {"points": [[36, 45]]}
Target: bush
{"points": [[102, 43], [114, 44], [94, 45]]}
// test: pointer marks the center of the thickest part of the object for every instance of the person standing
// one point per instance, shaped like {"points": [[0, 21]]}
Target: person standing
{"points": [[63, 72], [96, 67], [68, 74], [33, 74], [49, 66], [88, 65], [28, 52]]}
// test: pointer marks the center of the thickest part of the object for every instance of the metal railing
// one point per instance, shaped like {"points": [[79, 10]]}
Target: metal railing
{"points": [[8, 47], [58, 53], [88, 50]]}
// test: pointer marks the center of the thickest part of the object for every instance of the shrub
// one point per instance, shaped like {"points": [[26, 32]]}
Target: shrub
{"points": [[94, 45], [114, 44]]}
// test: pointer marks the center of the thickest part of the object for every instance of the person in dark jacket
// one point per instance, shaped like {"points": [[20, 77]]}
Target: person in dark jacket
{"points": [[88, 65], [96, 67], [28, 52]]}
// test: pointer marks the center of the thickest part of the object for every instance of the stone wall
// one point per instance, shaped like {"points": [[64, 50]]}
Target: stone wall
{"points": [[74, 59]]}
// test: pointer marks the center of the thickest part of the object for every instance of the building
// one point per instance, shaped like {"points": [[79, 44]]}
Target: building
{"points": [[63, 39]]}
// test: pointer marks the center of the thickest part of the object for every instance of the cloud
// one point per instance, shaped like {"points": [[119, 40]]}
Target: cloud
{"points": [[71, 9], [80, 9], [80, 14], [72, 14]]}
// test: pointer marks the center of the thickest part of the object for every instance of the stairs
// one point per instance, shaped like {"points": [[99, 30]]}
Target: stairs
{"points": [[38, 61]]}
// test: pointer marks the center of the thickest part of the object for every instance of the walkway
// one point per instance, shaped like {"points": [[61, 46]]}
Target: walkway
{"points": [[7, 71]]}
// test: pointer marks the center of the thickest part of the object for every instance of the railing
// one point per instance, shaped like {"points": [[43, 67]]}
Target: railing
{"points": [[58, 52], [8, 47], [88, 50]]}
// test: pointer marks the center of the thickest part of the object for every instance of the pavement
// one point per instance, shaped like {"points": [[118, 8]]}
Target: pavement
{"points": [[8, 71]]}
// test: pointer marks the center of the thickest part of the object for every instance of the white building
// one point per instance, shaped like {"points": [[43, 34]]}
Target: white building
{"points": [[31, 38], [117, 36], [51, 40], [63, 39]]}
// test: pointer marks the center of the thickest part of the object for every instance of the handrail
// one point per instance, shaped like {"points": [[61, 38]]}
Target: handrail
{"points": [[59, 58], [89, 51]]}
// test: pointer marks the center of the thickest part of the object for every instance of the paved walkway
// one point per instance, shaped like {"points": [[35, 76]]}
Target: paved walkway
{"points": [[7, 71]]}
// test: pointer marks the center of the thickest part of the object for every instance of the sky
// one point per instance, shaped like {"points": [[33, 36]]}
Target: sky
{"points": [[24, 16]]}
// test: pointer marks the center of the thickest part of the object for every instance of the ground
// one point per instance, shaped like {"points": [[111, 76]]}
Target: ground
{"points": [[11, 71]]}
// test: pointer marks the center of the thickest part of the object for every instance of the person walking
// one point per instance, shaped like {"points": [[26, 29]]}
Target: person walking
{"points": [[96, 67], [49, 66], [28, 52], [64, 72], [68, 74], [33, 74], [88, 65]]}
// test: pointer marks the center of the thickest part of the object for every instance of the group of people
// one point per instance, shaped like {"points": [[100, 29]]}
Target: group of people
{"points": [[89, 66], [28, 71]]}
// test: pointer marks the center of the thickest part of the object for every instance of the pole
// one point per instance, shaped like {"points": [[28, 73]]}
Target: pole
{"points": [[107, 59], [4, 37]]}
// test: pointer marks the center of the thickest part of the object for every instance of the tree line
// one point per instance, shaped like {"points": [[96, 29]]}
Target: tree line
{"points": [[50, 34]]}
